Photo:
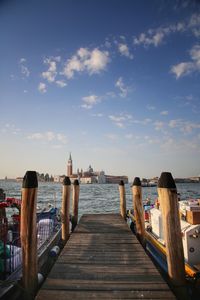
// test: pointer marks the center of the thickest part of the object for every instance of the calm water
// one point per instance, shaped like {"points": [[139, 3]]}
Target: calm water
{"points": [[95, 198]]}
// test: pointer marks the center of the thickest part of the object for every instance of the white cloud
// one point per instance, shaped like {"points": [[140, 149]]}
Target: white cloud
{"points": [[194, 25], [117, 118], [51, 73], [93, 62], [99, 115], [22, 60], [181, 69], [73, 65], [154, 37], [195, 54], [97, 61], [61, 138], [111, 136], [24, 69], [48, 136], [61, 83], [121, 120], [174, 123], [120, 124], [150, 107], [184, 145], [186, 127], [90, 101], [10, 129], [123, 89], [124, 50], [185, 68], [35, 136], [159, 125], [164, 112], [42, 87]]}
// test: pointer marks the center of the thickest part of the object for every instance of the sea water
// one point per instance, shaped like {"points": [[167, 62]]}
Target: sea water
{"points": [[95, 198]]}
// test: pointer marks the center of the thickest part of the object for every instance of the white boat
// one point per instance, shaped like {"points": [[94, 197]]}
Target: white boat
{"points": [[190, 230]]}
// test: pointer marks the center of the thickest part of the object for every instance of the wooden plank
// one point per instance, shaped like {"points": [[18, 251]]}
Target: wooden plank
{"points": [[63, 295], [64, 284], [104, 260]]}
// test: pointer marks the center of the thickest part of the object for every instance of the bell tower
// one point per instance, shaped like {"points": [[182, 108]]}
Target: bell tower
{"points": [[69, 166]]}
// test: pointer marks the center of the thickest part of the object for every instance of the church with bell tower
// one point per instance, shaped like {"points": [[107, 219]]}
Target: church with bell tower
{"points": [[69, 166]]}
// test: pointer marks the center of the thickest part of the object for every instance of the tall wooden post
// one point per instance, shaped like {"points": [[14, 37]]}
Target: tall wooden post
{"points": [[122, 196], [65, 209], [138, 209], [75, 199], [28, 232], [167, 193]]}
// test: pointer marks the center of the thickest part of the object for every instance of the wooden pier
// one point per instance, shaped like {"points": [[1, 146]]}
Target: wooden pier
{"points": [[103, 260]]}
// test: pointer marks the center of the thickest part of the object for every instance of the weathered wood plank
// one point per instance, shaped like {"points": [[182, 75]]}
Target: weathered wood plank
{"points": [[104, 260], [64, 284], [63, 295]]}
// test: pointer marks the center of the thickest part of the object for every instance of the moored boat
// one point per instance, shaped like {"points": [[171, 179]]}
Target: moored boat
{"points": [[190, 230], [48, 235]]}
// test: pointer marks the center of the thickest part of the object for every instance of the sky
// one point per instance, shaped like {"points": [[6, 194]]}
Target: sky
{"points": [[116, 83]]}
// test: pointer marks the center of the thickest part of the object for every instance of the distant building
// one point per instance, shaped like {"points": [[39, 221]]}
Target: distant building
{"points": [[19, 179], [88, 179], [90, 176], [116, 179], [69, 166]]}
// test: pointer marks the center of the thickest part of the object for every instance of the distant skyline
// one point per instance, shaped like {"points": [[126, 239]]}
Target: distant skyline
{"points": [[116, 83]]}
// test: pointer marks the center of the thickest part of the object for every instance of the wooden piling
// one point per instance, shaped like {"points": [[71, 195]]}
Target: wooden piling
{"points": [[138, 209], [122, 199], [65, 209], [168, 199], [75, 199], [28, 233]]}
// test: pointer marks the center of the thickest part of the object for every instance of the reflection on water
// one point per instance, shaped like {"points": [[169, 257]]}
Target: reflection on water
{"points": [[95, 198]]}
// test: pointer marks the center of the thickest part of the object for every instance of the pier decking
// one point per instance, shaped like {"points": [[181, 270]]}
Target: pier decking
{"points": [[103, 260]]}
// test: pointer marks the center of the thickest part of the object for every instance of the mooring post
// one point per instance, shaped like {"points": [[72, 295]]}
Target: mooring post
{"points": [[65, 211], [168, 199], [75, 199], [138, 209], [28, 233], [122, 196]]}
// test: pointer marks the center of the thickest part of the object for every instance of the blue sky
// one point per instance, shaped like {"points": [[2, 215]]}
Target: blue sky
{"points": [[117, 83]]}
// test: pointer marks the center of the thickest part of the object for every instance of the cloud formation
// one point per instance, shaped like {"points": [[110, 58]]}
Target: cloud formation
{"points": [[121, 86], [61, 83], [186, 127], [121, 120], [164, 112], [93, 62], [124, 50], [48, 136], [185, 68], [90, 101], [155, 37], [51, 73], [24, 69], [42, 87]]}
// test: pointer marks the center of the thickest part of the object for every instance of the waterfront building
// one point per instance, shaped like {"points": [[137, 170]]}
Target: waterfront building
{"points": [[69, 166], [116, 179], [90, 176]]}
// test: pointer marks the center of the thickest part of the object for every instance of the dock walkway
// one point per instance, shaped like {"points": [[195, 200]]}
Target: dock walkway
{"points": [[103, 260]]}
